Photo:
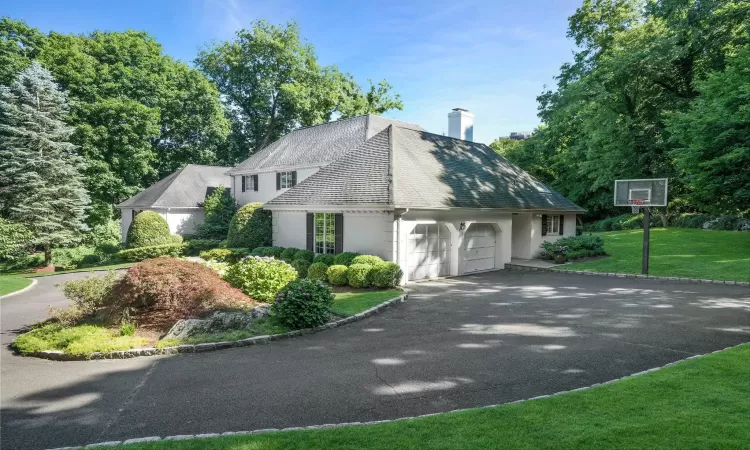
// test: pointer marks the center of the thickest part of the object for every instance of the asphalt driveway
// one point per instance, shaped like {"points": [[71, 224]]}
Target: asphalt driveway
{"points": [[458, 343]]}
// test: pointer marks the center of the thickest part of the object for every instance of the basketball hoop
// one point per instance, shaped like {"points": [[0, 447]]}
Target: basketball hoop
{"points": [[635, 205]]}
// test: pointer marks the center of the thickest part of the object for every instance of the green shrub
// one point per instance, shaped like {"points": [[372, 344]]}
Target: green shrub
{"points": [[227, 255], [358, 275], [301, 266], [218, 208], [288, 254], [250, 227], [345, 259], [260, 278], [367, 259], [386, 275], [307, 255], [196, 246], [24, 262], [89, 294], [303, 304], [325, 258], [574, 247], [78, 340], [105, 235], [337, 275], [317, 272], [730, 223], [127, 329], [268, 251], [148, 229], [71, 258], [690, 220], [142, 253], [15, 240]]}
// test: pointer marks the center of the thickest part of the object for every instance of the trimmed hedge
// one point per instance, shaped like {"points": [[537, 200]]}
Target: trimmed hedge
{"points": [[687, 220], [260, 278], [358, 275], [301, 266], [227, 255], [196, 246], [154, 251], [303, 304], [578, 247], [337, 275], [289, 254], [367, 259], [317, 271], [250, 227], [149, 229], [268, 251], [345, 259], [307, 255], [325, 258], [386, 275]]}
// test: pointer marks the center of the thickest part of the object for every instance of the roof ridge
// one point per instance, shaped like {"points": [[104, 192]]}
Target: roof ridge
{"points": [[443, 136]]}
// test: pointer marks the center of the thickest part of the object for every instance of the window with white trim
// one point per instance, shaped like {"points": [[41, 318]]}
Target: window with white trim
{"points": [[286, 179], [553, 225], [325, 232]]}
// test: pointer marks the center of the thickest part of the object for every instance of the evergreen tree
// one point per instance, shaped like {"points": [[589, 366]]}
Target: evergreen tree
{"points": [[40, 172], [219, 208]]}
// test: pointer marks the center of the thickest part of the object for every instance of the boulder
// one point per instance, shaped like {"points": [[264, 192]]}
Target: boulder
{"points": [[217, 321]]}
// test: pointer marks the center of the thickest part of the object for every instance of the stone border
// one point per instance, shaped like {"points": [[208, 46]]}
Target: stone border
{"points": [[58, 355], [518, 267], [33, 283], [184, 437]]}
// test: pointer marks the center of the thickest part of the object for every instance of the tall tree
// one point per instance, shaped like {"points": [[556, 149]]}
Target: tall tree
{"points": [[271, 83], [39, 167], [19, 45]]}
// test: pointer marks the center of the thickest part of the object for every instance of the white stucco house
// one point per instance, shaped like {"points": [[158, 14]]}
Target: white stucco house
{"points": [[437, 205], [178, 198]]}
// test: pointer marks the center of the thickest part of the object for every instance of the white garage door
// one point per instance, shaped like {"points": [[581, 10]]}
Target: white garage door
{"points": [[429, 251], [480, 248]]}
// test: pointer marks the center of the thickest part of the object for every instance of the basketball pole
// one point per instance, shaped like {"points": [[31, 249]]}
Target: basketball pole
{"points": [[646, 233]]}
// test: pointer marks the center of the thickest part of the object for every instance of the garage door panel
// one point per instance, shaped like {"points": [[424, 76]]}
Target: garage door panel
{"points": [[479, 253], [480, 241], [428, 251]]}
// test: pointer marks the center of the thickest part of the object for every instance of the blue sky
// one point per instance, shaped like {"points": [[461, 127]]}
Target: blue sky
{"points": [[491, 57]]}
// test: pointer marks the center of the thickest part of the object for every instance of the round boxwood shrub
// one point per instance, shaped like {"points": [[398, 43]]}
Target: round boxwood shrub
{"points": [[337, 275], [345, 259], [250, 227], [303, 304], [325, 258], [260, 278], [317, 272], [148, 229], [267, 251], [301, 266], [289, 254], [367, 259], [358, 275], [386, 275], [307, 255]]}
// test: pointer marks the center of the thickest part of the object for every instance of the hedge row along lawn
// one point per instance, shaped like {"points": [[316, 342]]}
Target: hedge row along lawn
{"points": [[83, 340], [698, 404], [8, 285], [676, 252]]}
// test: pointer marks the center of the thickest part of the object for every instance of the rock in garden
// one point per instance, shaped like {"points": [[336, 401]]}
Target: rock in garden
{"points": [[216, 322]]}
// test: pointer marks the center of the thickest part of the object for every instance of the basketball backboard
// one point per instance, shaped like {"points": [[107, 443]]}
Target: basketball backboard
{"points": [[641, 192]]}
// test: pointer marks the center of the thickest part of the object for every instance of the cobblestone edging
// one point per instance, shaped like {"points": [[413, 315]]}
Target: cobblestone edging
{"points": [[183, 437], [624, 275], [58, 355], [20, 291]]}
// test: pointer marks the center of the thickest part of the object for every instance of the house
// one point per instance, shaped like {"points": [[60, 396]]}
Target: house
{"points": [[178, 198], [437, 205]]}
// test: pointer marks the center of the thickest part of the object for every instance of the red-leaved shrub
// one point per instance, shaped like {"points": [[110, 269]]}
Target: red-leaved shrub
{"points": [[161, 291]]}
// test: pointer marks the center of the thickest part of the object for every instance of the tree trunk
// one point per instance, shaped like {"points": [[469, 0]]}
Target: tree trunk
{"points": [[663, 217], [47, 255]]}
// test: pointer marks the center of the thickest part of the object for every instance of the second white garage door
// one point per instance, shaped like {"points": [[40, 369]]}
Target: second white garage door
{"points": [[480, 248], [429, 251]]}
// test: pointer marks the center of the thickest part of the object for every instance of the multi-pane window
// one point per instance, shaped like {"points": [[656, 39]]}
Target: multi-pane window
{"points": [[325, 233], [250, 182], [286, 179], [553, 225]]}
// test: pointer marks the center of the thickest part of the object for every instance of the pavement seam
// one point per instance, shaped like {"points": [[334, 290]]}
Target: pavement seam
{"points": [[129, 399], [338, 425]]}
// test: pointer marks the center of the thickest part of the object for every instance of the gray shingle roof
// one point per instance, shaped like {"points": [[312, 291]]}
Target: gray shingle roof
{"points": [[183, 189], [402, 167], [318, 144]]}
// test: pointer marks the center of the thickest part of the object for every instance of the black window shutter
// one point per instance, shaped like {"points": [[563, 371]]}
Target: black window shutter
{"points": [[243, 183], [294, 178], [561, 224], [544, 225], [338, 245], [310, 231], [278, 181], [255, 183]]}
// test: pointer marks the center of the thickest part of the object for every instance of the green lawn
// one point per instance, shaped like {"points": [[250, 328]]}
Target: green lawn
{"points": [[676, 252], [351, 303], [12, 284], [697, 404], [85, 269]]}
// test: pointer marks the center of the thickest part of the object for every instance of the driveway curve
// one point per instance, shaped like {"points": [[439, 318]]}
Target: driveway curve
{"points": [[464, 342]]}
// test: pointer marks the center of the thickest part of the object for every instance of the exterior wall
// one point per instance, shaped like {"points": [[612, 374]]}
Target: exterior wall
{"points": [[369, 233], [522, 235], [289, 229], [266, 186], [536, 238], [180, 221]]}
